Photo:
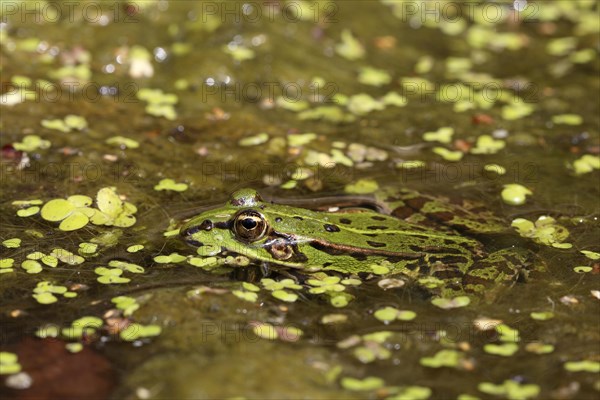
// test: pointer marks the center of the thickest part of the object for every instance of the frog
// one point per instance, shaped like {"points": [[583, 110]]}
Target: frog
{"points": [[418, 237]]}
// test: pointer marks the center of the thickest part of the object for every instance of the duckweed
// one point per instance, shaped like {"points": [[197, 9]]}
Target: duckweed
{"points": [[9, 363], [45, 292], [373, 76], [567, 119], [245, 295], [254, 140], [510, 389], [394, 99], [349, 48], [31, 266], [542, 316], [515, 194], [389, 314], [137, 331], [443, 358], [504, 349], [592, 255], [264, 330], [448, 304], [362, 104], [123, 142], [448, 155], [586, 164], [284, 296], [125, 303], [442, 135], [110, 275], [135, 248], [171, 258], [170, 184], [74, 347], [412, 393], [31, 143], [12, 243], [360, 385], [545, 231], [582, 366], [272, 285], [487, 145], [69, 123]]}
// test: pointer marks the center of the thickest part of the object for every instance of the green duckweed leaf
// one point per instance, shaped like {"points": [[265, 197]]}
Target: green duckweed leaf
{"points": [[45, 298], [447, 304], [442, 135], [123, 142], [170, 184], [373, 76], [544, 231], [582, 366], [349, 48], [9, 363], [12, 243], [135, 248], [394, 99], [74, 347], [362, 104], [443, 358], [592, 255], [76, 220], [264, 330], [137, 331], [504, 349], [510, 389], [486, 144], [359, 385], [448, 155], [31, 266], [56, 210], [126, 266], [254, 140], [515, 194], [586, 164], [28, 212], [284, 296], [542, 316], [413, 393], [247, 296], [31, 143], [567, 119]]}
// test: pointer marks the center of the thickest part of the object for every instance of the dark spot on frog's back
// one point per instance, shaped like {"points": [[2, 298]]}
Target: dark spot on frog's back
{"points": [[443, 215], [378, 218], [298, 218], [345, 221], [377, 227], [375, 244], [331, 228], [403, 212], [416, 202]]}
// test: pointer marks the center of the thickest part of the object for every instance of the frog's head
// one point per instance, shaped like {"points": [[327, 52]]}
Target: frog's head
{"points": [[233, 227]]}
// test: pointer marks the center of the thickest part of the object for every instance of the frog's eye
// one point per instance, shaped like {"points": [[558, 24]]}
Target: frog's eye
{"points": [[249, 226]]}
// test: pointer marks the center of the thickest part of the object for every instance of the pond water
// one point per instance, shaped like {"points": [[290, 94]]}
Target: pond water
{"points": [[121, 120]]}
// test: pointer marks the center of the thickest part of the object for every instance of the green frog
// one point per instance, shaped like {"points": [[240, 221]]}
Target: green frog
{"points": [[409, 234]]}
